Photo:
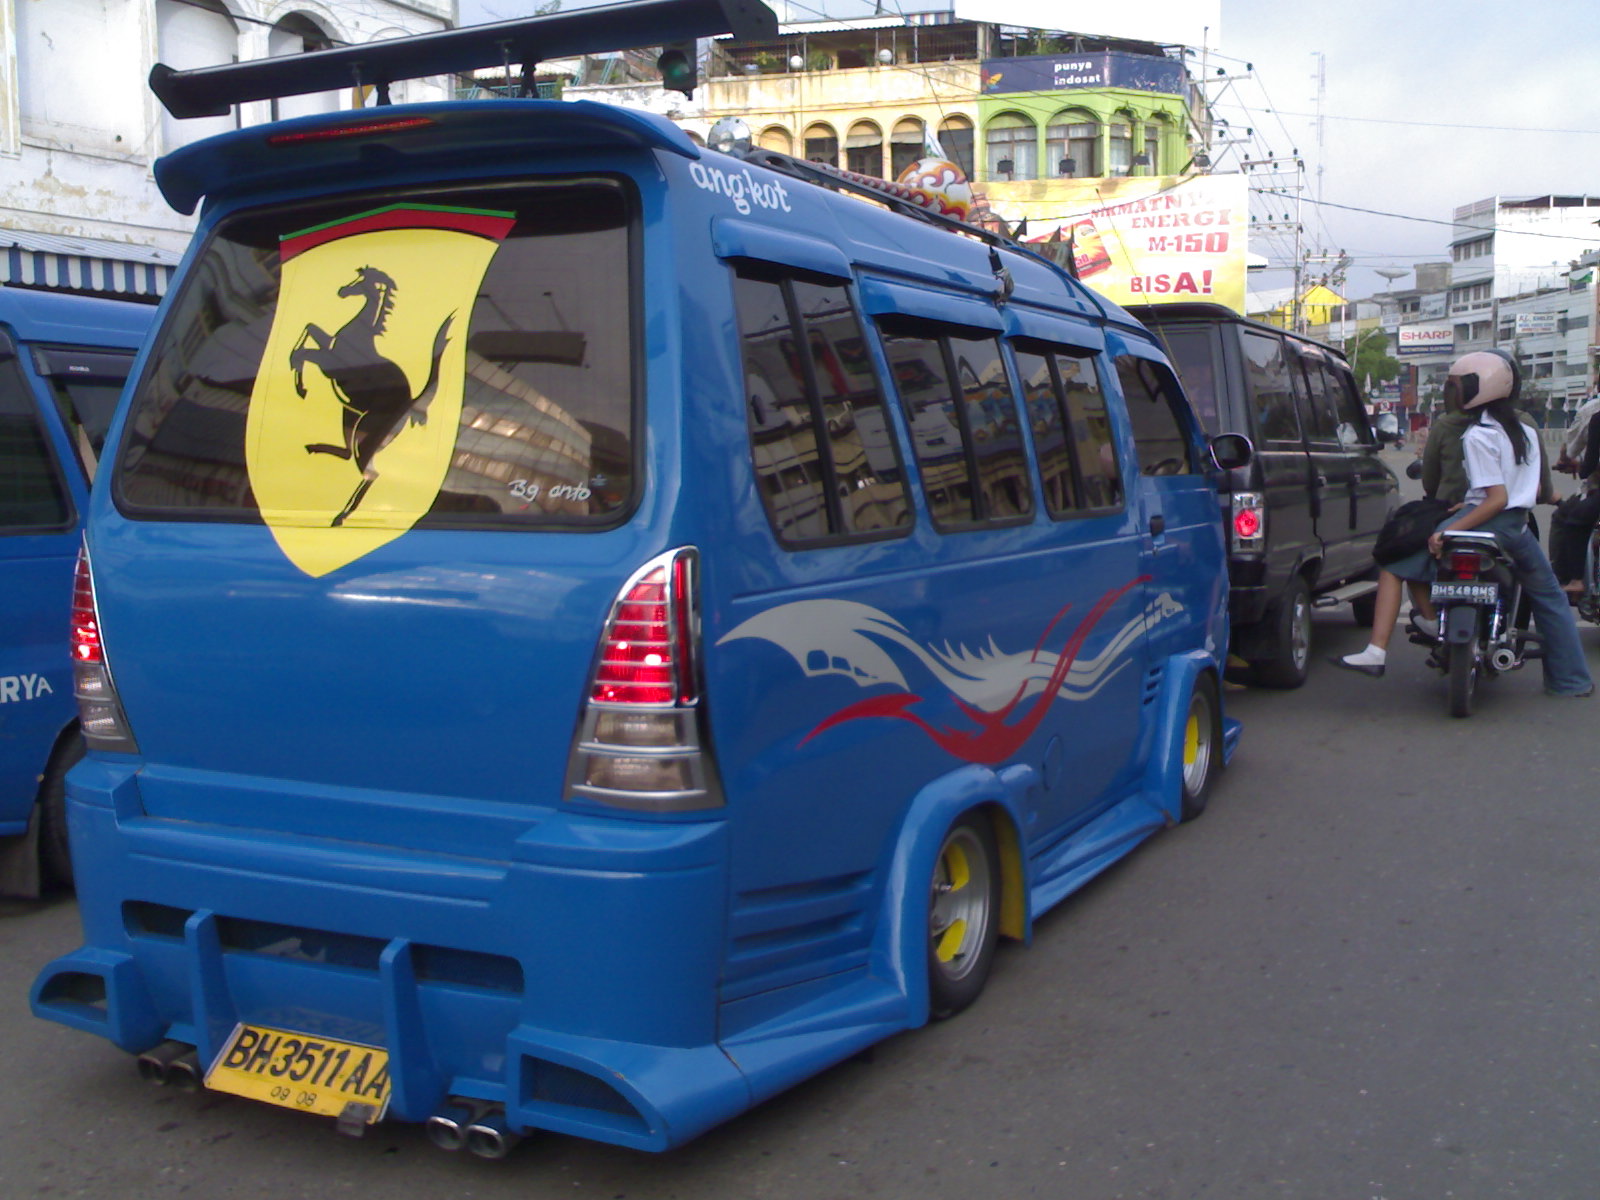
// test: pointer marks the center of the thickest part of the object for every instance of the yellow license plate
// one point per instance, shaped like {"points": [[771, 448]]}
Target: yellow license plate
{"points": [[296, 1070]]}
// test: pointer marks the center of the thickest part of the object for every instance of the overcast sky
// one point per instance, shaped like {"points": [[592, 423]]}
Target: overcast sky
{"points": [[1424, 107]]}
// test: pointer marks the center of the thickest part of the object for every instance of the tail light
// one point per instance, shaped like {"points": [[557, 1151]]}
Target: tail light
{"points": [[105, 727], [1249, 521], [639, 737], [1465, 564]]}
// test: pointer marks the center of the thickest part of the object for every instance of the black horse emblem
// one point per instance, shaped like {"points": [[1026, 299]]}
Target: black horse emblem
{"points": [[373, 391]]}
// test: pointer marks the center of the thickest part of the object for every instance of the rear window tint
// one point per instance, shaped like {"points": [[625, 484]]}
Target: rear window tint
{"points": [[514, 303]]}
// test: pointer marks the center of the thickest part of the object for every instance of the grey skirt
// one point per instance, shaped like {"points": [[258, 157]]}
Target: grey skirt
{"points": [[1419, 566]]}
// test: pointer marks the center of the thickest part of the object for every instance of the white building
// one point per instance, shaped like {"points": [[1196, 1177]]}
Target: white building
{"points": [[79, 127]]}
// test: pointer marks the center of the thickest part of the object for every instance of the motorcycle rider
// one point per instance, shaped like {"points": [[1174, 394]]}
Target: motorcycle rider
{"points": [[1502, 457]]}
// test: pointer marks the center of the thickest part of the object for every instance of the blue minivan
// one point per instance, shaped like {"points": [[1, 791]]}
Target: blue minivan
{"points": [[580, 631], [63, 360]]}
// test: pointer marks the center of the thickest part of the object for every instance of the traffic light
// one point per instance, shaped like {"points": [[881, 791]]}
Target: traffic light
{"points": [[680, 70]]}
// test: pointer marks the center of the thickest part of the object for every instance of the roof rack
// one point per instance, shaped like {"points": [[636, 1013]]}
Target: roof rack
{"points": [[212, 91]]}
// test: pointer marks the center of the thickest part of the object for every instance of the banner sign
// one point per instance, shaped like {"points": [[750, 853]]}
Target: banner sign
{"points": [[1063, 72], [1535, 323], [1162, 239], [1426, 339]]}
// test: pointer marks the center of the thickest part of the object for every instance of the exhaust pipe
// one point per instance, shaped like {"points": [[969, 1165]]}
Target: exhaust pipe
{"points": [[490, 1137], [447, 1128], [1503, 659], [184, 1072], [155, 1064]]}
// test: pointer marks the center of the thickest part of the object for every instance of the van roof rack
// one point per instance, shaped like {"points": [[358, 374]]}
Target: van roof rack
{"points": [[213, 91]]}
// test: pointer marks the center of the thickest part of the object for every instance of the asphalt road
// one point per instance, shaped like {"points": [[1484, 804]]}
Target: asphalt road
{"points": [[1369, 971]]}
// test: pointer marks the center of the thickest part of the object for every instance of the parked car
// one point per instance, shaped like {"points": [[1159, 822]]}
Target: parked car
{"points": [[63, 360], [1304, 514]]}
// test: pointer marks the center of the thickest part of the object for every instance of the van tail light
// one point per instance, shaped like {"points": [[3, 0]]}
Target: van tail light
{"points": [[1249, 521], [105, 727], [639, 743]]}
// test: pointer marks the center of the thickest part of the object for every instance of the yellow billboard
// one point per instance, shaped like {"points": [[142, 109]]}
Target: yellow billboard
{"points": [[1142, 240]]}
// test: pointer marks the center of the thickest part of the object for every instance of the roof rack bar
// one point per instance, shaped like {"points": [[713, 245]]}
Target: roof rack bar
{"points": [[212, 91]]}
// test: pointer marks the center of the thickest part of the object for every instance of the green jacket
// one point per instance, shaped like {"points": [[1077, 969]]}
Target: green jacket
{"points": [[1444, 466]]}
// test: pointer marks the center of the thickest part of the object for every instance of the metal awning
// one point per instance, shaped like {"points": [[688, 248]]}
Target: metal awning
{"points": [[48, 260]]}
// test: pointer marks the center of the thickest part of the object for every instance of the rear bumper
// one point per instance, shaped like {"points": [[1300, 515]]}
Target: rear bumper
{"points": [[575, 985]]}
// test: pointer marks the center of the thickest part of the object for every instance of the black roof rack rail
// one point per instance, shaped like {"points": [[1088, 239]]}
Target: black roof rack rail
{"points": [[212, 91]]}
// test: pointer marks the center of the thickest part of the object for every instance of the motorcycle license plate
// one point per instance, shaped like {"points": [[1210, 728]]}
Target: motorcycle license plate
{"points": [[317, 1075], [1471, 593]]}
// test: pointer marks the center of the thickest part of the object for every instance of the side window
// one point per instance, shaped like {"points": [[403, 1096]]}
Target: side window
{"points": [[823, 454], [1194, 355], [963, 418], [1156, 411], [31, 494], [1071, 430], [1271, 387], [86, 387], [1319, 414], [1353, 429]]}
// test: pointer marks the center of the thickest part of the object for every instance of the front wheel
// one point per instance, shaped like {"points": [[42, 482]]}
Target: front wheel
{"points": [[963, 915], [1462, 668], [1202, 746]]}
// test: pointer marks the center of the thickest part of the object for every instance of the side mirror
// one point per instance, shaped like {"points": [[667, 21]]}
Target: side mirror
{"points": [[1231, 451]]}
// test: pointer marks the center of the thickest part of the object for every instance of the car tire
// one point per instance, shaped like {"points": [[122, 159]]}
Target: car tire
{"points": [[1200, 755], [1364, 609], [963, 915], [1288, 624], [55, 854]]}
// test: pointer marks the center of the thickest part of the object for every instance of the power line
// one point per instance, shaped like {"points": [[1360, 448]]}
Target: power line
{"points": [[1442, 124]]}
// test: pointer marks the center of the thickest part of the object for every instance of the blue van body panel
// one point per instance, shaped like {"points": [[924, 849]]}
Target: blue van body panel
{"points": [[371, 769], [36, 704]]}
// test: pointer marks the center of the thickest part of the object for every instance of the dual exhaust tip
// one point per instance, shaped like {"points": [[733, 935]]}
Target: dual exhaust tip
{"points": [[477, 1126], [474, 1125], [174, 1063]]}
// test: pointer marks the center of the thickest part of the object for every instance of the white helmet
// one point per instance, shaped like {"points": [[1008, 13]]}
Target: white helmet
{"points": [[1483, 377]]}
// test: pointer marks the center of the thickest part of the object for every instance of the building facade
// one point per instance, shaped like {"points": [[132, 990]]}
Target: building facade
{"points": [[80, 128]]}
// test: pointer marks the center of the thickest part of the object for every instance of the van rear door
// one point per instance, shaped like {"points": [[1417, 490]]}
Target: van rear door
{"points": [[371, 502]]}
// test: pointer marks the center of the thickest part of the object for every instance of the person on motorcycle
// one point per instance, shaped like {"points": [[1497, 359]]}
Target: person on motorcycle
{"points": [[1575, 518], [1502, 457]]}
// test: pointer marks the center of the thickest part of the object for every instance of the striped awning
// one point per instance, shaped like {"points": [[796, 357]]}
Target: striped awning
{"points": [[47, 260]]}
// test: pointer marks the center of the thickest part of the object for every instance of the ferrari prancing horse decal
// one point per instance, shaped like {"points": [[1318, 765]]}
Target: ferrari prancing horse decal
{"points": [[350, 433]]}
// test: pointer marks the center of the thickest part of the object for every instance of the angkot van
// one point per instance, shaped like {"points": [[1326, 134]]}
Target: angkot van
{"points": [[580, 631], [63, 360]]}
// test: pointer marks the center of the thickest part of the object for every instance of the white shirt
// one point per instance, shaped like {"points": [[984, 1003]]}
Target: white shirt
{"points": [[1491, 460]]}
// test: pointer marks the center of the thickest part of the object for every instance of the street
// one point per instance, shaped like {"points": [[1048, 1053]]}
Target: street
{"points": [[1368, 971]]}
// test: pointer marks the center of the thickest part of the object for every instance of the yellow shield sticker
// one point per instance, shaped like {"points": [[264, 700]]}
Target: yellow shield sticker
{"points": [[354, 413]]}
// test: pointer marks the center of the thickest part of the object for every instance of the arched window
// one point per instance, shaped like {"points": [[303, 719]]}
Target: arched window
{"points": [[1072, 145], [1152, 147], [822, 144], [1119, 142], [299, 34], [863, 149], [955, 138], [1013, 142], [776, 137], [194, 33], [905, 144]]}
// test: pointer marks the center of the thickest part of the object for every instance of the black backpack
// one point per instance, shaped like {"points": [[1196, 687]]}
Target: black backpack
{"points": [[1407, 529]]}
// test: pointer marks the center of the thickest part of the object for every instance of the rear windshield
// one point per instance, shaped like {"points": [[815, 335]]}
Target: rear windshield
{"points": [[469, 354]]}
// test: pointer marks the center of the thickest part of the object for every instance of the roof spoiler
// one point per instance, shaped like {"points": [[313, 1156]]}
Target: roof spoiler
{"points": [[212, 91]]}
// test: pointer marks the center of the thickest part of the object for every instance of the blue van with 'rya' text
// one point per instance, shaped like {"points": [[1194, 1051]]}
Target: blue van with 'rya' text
{"points": [[580, 631]]}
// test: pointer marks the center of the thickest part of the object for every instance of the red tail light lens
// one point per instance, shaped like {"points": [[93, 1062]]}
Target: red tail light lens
{"points": [[1465, 564], [360, 129], [1247, 523], [85, 624], [636, 662]]}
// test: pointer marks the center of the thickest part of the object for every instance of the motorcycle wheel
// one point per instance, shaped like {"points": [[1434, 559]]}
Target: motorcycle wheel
{"points": [[1462, 669]]}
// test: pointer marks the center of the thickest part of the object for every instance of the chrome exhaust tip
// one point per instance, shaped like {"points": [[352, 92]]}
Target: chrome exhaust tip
{"points": [[155, 1064], [1503, 659], [447, 1128], [490, 1137], [184, 1072]]}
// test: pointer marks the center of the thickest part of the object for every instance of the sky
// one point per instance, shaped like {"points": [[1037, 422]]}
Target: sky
{"points": [[1424, 107]]}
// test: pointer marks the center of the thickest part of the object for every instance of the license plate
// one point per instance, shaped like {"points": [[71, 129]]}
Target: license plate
{"points": [[1472, 593], [296, 1070]]}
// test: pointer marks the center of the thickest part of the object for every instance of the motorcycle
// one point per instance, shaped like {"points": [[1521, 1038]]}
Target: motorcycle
{"points": [[1477, 596], [1589, 599]]}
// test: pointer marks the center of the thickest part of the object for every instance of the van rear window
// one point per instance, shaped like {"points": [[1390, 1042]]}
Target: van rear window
{"points": [[311, 349]]}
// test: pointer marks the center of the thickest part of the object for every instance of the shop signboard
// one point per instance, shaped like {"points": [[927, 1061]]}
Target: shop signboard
{"points": [[1426, 339], [1063, 72], [1529, 324]]}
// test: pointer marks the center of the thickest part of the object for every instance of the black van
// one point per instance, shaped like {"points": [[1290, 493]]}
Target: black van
{"points": [[1304, 514]]}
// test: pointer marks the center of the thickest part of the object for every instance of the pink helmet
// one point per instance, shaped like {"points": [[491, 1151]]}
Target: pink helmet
{"points": [[1483, 377]]}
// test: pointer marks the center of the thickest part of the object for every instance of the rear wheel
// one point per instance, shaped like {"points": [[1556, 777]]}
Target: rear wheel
{"points": [[1289, 623], [963, 915], [1461, 667], [1202, 747], [54, 853]]}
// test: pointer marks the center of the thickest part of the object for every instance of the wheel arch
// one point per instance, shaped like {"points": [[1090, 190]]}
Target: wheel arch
{"points": [[1164, 768]]}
